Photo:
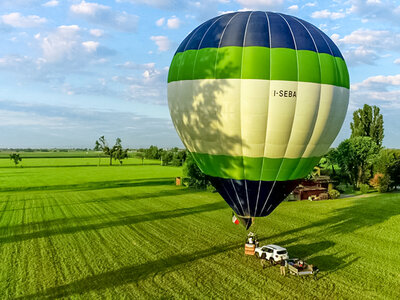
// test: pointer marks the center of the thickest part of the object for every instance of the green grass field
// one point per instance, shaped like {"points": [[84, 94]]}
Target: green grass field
{"points": [[127, 232]]}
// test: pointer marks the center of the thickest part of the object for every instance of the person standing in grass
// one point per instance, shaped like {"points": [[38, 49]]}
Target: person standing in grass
{"points": [[263, 262], [283, 267]]}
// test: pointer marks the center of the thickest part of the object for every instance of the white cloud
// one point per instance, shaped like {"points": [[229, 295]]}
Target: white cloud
{"points": [[61, 44], [260, 4], [373, 39], [19, 21], [326, 14], [90, 46], [293, 7], [96, 32], [376, 10], [335, 37], [51, 3], [310, 4], [65, 46], [150, 88], [381, 90], [135, 66], [397, 61], [157, 3], [203, 10], [365, 46], [379, 82], [360, 55], [16, 62], [162, 42], [89, 9], [160, 22], [19, 118], [105, 16], [173, 22]]}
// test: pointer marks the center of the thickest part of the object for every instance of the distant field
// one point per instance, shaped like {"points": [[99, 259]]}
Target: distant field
{"points": [[128, 232], [63, 159], [51, 154]]}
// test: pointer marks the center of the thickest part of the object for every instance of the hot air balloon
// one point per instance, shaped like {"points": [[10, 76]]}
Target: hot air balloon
{"points": [[257, 98]]}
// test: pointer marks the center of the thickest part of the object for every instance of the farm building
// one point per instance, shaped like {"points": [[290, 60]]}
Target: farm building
{"points": [[315, 189]]}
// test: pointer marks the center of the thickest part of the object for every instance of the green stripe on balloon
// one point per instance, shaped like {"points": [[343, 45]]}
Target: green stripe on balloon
{"points": [[254, 63], [255, 168]]}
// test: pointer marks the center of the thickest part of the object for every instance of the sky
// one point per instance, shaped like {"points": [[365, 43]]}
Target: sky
{"points": [[72, 70]]}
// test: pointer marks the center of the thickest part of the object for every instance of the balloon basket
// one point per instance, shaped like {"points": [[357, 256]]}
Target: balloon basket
{"points": [[249, 249]]}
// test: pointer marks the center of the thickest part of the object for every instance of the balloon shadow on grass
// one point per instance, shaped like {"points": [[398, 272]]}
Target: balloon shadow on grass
{"points": [[21, 226], [95, 185], [328, 264], [64, 226]]}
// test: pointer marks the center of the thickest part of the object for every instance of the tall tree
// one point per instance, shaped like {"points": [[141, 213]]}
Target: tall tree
{"points": [[102, 145], [354, 157], [119, 153], [368, 121]]}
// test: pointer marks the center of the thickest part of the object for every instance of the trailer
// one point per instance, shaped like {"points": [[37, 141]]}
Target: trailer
{"points": [[298, 267]]}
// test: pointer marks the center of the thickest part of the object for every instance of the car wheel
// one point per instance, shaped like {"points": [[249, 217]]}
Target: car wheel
{"points": [[272, 262]]}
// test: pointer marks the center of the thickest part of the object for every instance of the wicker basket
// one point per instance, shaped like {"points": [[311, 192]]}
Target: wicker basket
{"points": [[249, 249]]}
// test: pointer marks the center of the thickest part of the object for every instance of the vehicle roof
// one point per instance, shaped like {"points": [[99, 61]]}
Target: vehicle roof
{"points": [[276, 247]]}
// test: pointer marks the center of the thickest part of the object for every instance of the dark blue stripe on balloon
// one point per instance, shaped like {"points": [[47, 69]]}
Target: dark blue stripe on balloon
{"points": [[193, 43], [317, 36], [242, 195], [281, 37], [213, 36], [234, 32], [257, 30], [301, 35], [231, 30]]}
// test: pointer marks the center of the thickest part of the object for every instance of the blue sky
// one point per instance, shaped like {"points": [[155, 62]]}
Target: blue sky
{"points": [[71, 71]]}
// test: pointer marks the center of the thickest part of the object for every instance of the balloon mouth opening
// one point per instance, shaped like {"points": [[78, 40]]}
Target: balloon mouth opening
{"points": [[246, 221]]}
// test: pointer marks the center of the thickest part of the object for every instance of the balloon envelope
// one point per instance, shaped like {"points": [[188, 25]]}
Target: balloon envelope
{"points": [[257, 98]]}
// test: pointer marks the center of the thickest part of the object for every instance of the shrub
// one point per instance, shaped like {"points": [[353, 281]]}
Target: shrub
{"points": [[375, 180], [364, 188], [384, 184], [334, 194], [194, 177]]}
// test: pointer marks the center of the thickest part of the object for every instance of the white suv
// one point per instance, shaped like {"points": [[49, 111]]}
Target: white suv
{"points": [[273, 253]]}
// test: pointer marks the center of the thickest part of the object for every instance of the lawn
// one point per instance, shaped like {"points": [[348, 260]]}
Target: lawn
{"points": [[128, 232]]}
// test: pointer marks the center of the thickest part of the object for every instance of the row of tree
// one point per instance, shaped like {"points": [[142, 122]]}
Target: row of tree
{"points": [[173, 157]]}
